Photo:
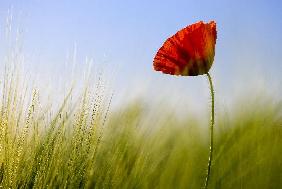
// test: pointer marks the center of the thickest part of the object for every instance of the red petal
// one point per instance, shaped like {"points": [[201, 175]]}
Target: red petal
{"points": [[189, 52]]}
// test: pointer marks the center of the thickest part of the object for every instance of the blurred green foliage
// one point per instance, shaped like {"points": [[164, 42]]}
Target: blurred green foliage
{"points": [[76, 148]]}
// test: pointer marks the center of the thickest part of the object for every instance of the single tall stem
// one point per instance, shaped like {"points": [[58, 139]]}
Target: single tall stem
{"points": [[211, 132]]}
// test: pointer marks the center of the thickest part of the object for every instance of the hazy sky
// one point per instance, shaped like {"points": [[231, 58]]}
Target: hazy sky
{"points": [[125, 35]]}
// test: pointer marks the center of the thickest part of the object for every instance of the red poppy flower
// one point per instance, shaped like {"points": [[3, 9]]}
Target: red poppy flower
{"points": [[189, 52]]}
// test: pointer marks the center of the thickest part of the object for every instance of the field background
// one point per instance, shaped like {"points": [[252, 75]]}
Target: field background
{"points": [[81, 107]]}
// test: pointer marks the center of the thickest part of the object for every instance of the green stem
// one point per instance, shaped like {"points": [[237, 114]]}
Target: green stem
{"points": [[211, 132]]}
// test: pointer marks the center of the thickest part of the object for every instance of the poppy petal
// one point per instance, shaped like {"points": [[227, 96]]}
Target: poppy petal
{"points": [[189, 52]]}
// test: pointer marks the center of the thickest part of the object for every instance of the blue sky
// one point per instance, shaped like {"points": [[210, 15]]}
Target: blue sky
{"points": [[127, 34]]}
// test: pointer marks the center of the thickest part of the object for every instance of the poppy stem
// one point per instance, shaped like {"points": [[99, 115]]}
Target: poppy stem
{"points": [[211, 132]]}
